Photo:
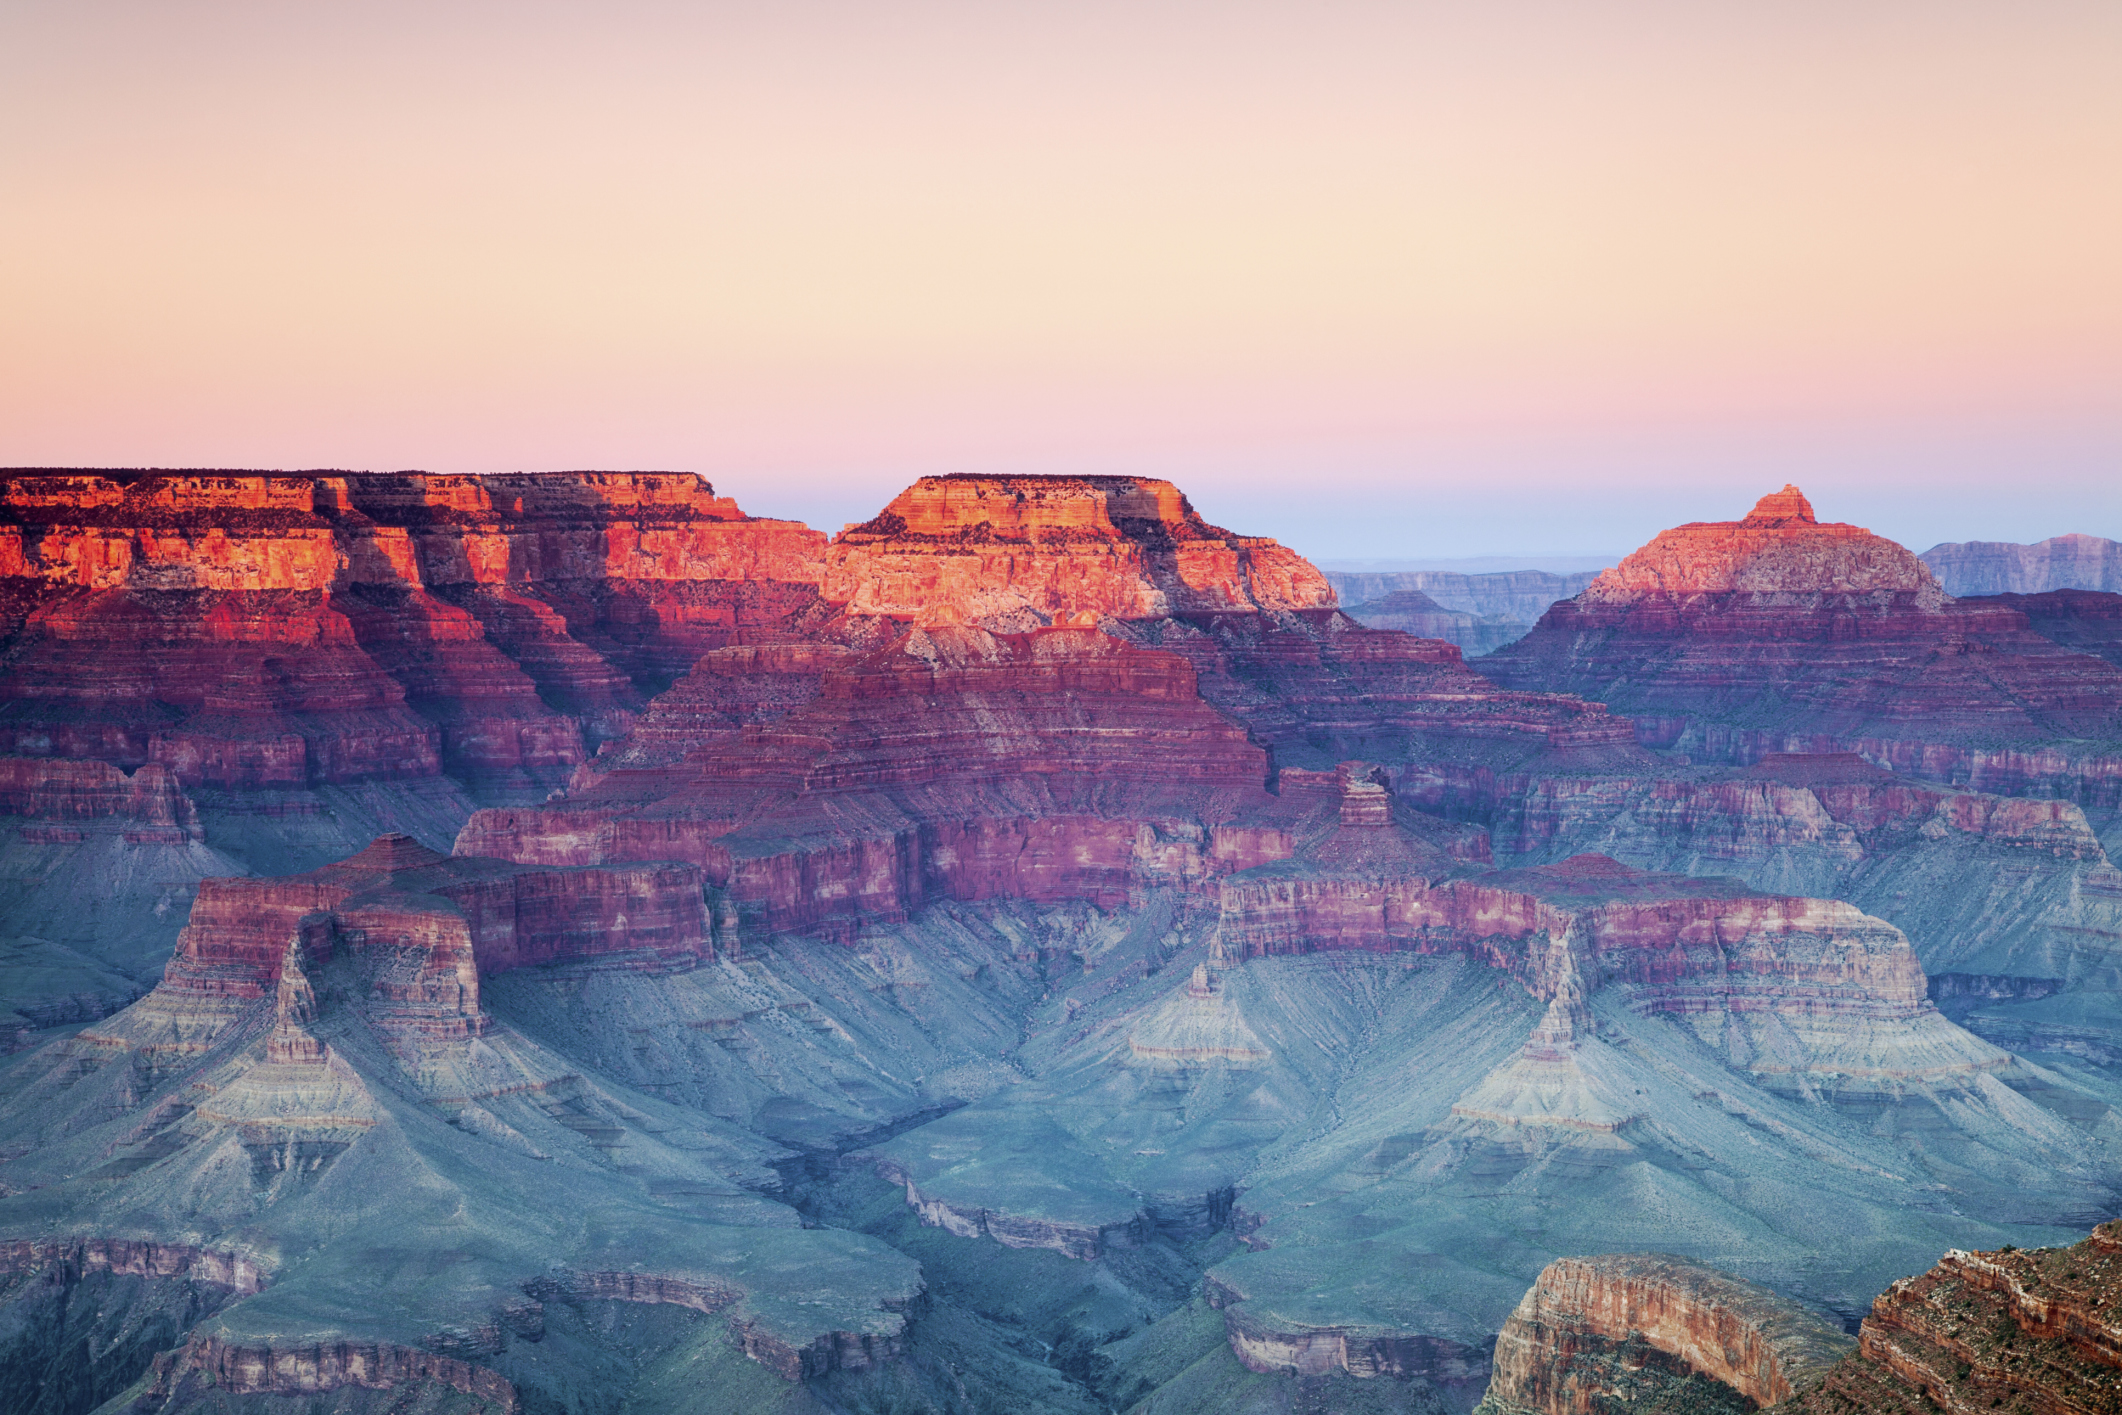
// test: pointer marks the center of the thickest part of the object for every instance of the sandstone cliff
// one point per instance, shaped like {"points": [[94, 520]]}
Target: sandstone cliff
{"points": [[258, 629], [1023, 550], [2012, 1329], [1651, 1331]]}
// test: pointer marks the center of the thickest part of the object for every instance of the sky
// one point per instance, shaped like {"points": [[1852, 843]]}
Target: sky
{"points": [[1383, 280]]}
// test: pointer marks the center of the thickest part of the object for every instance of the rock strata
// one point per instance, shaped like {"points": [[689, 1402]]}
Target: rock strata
{"points": [[1732, 640], [209, 1363], [268, 630], [2012, 1329], [972, 548], [1623, 1329], [954, 763], [147, 800]]}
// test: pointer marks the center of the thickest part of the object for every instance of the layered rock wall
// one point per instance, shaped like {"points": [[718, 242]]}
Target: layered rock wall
{"points": [[239, 1368], [1777, 633], [972, 548], [241, 1273], [265, 630], [2014, 1329], [147, 801], [1058, 764], [1569, 1346], [1275, 1350]]}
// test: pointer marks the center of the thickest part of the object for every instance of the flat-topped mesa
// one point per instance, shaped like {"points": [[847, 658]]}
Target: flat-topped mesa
{"points": [[146, 804], [1628, 1328], [975, 548], [1780, 550], [1776, 633], [306, 531]]}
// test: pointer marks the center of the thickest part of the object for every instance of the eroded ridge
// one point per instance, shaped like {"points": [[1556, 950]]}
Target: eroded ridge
{"points": [[254, 629], [1623, 1329], [2011, 1329], [1782, 633]]}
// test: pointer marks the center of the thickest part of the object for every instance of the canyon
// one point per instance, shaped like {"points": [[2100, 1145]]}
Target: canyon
{"points": [[557, 942]]}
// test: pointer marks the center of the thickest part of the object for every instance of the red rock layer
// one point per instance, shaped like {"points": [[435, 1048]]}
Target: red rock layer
{"points": [[1683, 943], [2084, 621], [250, 629], [966, 548], [147, 799], [649, 570], [955, 763], [208, 1363], [1020, 554], [451, 919], [1317, 685], [1778, 633], [2025, 1330], [1558, 1352]]}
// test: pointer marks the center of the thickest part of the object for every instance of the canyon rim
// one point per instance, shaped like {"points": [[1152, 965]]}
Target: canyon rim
{"points": [[559, 942]]}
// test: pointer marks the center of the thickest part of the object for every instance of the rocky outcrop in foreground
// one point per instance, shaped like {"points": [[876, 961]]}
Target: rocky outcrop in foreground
{"points": [[2030, 1330], [1648, 1331]]}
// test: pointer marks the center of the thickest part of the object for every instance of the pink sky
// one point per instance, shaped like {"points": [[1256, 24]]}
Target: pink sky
{"points": [[1531, 277]]}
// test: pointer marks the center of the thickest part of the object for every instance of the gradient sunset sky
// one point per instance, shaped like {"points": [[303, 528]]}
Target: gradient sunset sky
{"points": [[1381, 279]]}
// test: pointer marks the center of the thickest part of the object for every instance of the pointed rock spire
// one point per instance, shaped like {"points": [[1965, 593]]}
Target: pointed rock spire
{"points": [[1568, 1020], [294, 1006], [1567, 1023], [1782, 508]]}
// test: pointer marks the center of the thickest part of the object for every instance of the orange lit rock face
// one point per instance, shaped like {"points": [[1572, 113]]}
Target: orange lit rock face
{"points": [[967, 549], [250, 629], [1594, 1331], [1778, 633], [1778, 550]]}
